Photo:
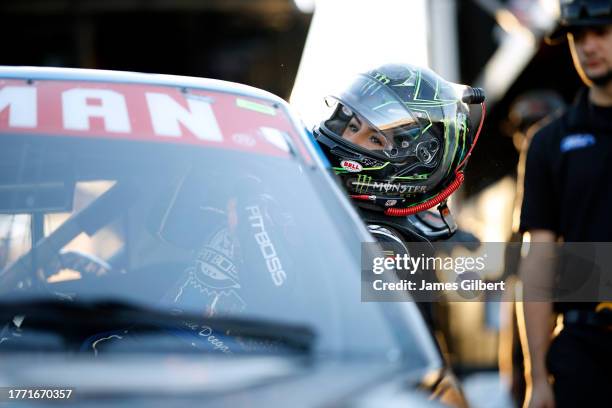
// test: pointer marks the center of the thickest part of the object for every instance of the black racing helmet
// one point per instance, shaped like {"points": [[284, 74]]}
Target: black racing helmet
{"points": [[575, 14], [421, 132]]}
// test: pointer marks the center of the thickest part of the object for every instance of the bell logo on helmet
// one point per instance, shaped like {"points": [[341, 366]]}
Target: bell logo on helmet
{"points": [[351, 166]]}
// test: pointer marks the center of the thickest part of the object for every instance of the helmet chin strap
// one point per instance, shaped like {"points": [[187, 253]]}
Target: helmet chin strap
{"points": [[451, 188]]}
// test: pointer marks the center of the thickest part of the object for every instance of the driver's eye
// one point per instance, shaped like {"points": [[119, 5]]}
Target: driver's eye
{"points": [[376, 140], [353, 128]]}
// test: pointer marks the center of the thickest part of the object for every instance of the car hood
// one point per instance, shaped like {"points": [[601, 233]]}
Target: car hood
{"points": [[212, 381]]}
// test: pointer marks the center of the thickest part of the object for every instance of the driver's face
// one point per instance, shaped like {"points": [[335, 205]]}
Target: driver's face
{"points": [[359, 133]]}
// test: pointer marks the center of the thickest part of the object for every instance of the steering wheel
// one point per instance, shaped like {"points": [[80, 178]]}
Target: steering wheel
{"points": [[89, 266]]}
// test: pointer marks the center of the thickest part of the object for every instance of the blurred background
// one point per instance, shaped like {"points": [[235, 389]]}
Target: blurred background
{"points": [[301, 49]]}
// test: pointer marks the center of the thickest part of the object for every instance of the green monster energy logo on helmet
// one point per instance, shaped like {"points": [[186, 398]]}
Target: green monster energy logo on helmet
{"points": [[364, 185], [363, 181], [382, 78]]}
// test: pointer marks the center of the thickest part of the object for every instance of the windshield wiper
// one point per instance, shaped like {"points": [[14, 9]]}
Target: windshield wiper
{"points": [[73, 320]]}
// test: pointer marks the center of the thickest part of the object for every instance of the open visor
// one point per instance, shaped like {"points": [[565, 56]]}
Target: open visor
{"points": [[415, 129]]}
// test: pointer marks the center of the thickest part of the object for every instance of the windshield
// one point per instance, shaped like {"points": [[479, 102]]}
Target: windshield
{"points": [[193, 230], [207, 232]]}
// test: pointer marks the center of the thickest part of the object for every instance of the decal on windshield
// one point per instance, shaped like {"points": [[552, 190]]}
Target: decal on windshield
{"points": [[257, 107], [146, 113]]}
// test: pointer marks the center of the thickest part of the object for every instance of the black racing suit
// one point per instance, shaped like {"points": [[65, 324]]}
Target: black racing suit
{"points": [[568, 190], [397, 233]]}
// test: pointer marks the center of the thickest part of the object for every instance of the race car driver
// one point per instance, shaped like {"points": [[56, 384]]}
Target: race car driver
{"points": [[399, 137]]}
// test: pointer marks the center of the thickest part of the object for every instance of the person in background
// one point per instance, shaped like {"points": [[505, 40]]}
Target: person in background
{"points": [[568, 196], [528, 113]]}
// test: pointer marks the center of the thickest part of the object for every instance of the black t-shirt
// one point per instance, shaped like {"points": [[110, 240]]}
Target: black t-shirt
{"points": [[568, 177]]}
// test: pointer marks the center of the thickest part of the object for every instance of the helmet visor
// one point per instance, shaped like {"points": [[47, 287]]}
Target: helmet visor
{"points": [[371, 116]]}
